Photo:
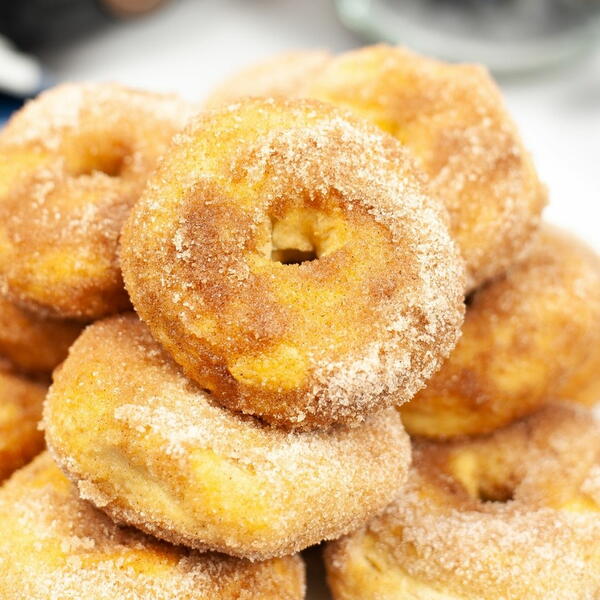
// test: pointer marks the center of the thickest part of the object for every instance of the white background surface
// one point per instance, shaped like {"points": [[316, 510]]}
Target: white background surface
{"points": [[192, 44]]}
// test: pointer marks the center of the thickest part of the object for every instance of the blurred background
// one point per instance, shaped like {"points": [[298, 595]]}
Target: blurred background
{"points": [[545, 54]]}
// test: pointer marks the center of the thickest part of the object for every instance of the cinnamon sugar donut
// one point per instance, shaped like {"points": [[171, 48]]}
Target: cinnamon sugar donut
{"points": [[71, 164], [513, 515], [20, 411], [529, 336], [31, 343], [55, 546], [153, 450], [454, 120], [287, 258], [285, 75], [583, 386]]}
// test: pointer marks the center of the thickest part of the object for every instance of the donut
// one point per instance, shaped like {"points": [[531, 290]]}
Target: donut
{"points": [[72, 162], [286, 256], [31, 343], [512, 515], [583, 386], [454, 120], [153, 450], [56, 546], [530, 336], [20, 411], [285, 75]]}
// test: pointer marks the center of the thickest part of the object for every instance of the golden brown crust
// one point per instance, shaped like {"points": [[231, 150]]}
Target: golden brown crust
{"points": [[454, 120], [153, 450], [20, 412], [283, 75], [54, 545], [583, 384], [31, 343], [512, 515], [529, 337], [71, 164], [301, 345]]}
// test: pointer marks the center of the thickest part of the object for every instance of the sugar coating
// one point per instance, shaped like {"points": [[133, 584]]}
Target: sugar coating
{"points": [[64, 109], [31, 343], [55, 546], [153, 450], [530, 336], [285, 75], [72, 162], [454, 119], [327, 341], [509, 516], [20, 412]]}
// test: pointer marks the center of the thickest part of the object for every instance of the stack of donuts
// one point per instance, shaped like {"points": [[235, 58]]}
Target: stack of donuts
{"points": [[320, 308]]}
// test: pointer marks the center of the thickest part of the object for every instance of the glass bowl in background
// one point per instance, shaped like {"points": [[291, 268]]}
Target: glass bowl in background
{"points": [[509, 36]]}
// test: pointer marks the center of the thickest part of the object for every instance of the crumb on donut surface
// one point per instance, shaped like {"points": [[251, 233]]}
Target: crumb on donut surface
{"points": [[359, 325], [56, 546], [512, 515]]}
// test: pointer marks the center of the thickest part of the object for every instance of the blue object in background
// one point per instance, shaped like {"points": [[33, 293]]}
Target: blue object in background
{"points": [[7, 106], [21, 77]]}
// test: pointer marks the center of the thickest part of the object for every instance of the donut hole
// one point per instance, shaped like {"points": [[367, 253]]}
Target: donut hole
{"points": [[107, 157], [487, 479], [305, 235], [496, 482], [293, 256], [109, 165], [469, 300], [496, 492]]}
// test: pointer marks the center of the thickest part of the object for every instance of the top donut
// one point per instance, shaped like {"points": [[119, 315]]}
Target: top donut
{"points": [[453, 119], [287, 256], [72, 162]]}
